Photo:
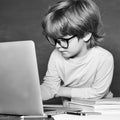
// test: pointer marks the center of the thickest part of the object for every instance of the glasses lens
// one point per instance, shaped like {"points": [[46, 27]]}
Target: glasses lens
{"points": [[62, 43]]}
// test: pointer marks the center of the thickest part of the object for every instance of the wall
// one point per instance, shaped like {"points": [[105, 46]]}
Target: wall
{"points": [[21, 20]]}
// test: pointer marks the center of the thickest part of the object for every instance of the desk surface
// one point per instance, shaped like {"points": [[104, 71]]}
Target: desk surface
{"points": [[90, 117], [7, 117], [68, 117]]}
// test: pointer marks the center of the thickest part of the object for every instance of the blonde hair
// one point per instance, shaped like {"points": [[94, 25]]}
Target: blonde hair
{"points": [[73, 17]]}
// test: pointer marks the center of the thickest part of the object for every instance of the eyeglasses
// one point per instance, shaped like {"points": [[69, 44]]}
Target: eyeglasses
{"points": [[63, 42]]}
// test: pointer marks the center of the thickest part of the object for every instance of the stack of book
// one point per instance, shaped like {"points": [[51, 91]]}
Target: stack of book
{"points": [[108, 105]]}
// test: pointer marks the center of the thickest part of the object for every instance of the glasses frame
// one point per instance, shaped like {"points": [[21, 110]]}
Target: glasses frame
{"points": [[59, 40]]}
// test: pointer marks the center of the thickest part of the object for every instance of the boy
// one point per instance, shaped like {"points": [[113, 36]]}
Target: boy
{"points": [[78, 67]]}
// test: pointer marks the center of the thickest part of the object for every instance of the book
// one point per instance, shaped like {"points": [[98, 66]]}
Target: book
{"points": [[105, 101], [79, 106], [95, 105]]}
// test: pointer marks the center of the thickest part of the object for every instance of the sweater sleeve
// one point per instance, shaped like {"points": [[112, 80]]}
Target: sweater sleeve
{"points": [[102, 81], [51, 82]]}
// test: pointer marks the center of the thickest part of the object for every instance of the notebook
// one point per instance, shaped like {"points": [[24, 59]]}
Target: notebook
{"points": [[19, 79]]}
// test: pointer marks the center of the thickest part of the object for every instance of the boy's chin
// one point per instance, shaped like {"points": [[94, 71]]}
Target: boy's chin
{"points": [[66, 56], [69, 56]]}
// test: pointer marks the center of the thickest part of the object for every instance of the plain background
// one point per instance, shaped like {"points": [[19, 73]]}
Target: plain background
{"points": [[21, 20]]}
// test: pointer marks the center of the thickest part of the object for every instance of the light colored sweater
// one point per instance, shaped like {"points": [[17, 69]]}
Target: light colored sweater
{"points": [[89, 76]]}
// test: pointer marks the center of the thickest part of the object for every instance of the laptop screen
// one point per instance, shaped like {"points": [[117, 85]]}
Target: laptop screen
{"points": [[19, 79]]}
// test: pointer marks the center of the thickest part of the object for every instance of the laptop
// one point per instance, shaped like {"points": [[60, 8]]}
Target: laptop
{"points": [[19, 79], [20, 93]]}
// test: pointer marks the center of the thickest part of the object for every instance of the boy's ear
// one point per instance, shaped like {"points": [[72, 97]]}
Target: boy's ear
{"points": [[87, 37]]}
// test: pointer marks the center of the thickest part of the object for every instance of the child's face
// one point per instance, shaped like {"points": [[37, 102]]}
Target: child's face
{"points": [[76, 48]]}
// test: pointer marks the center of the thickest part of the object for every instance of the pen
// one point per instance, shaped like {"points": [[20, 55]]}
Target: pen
{"points": [[76, 113]]}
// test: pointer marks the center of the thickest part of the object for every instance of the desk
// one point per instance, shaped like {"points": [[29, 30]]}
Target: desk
{"points": [[6, 117], [70, 117], [90, 117]]}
